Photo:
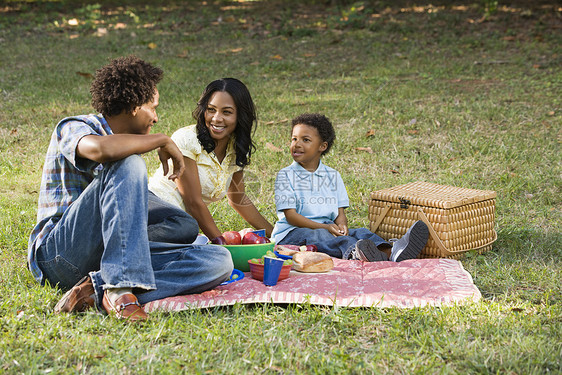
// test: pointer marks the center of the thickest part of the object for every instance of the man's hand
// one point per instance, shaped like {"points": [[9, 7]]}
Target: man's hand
{"points": [[171, 151]]}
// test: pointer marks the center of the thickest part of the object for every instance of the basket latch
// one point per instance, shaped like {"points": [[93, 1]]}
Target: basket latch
{"points": [[404, 203]]}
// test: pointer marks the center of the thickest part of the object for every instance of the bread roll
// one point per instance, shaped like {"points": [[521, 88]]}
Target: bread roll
{"points": [[286, 249], [307, 261]]}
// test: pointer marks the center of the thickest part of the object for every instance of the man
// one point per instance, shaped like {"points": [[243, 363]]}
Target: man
{"points": [[100, 232]]}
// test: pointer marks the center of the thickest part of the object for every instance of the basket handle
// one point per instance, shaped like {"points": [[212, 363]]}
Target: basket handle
{"points": [[380, 218], [438, 241]]}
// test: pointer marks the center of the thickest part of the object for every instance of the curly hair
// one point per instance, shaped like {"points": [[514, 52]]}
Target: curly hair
{"points": [[246, 119], [123, 85], [321, 123]]}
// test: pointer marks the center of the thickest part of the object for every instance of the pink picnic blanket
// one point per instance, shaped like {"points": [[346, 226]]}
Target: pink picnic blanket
{"points": [[352, 283]]}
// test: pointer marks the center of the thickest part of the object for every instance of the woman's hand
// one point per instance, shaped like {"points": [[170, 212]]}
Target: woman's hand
{"points": [[218, 240]]}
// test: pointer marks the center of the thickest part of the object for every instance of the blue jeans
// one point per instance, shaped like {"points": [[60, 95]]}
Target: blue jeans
{"points": [[104, 233], [168, 223], [326, 242]]}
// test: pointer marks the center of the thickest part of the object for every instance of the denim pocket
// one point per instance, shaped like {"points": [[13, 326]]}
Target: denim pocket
{"points": [[60, 271]]}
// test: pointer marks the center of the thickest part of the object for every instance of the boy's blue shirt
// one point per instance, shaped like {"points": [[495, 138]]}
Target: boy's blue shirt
{"points": [[315, 195]]}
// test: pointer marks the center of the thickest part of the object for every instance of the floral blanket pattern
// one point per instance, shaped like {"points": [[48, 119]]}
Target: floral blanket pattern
{"points": [[352, 283]]}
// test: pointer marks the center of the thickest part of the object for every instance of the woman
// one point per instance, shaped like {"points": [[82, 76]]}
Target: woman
{"points": [[215, 150]]}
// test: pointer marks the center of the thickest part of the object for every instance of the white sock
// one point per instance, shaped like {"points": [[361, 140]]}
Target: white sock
{"points": [[114, 293]]}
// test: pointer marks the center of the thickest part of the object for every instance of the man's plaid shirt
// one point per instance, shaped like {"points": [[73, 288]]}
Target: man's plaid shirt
{"points": [[65, 176]]}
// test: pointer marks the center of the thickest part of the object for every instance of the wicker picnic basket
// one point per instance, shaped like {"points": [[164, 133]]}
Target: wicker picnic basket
{"points": [[459, 219]]}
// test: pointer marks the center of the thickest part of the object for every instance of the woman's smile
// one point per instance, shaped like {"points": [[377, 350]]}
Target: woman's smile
{"points": [[221, 117]]}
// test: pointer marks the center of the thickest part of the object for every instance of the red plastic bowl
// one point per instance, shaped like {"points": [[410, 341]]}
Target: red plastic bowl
{"points": [[257, 271]]}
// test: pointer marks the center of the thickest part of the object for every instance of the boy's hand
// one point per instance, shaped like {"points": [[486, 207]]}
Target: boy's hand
{"points": [[344, 230], [171, 151], [341, 222], [334, 229]]}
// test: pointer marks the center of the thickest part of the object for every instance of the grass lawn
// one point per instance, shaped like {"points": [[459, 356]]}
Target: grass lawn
{"points": [[455, 94]]}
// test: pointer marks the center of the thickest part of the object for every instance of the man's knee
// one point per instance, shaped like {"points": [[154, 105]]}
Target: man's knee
{"points": [[221, 259], [130, 168]]}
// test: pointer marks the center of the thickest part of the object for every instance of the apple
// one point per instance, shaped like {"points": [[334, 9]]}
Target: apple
{"points": [[232, 237], [250, 238], [262, 240], [308, 248]]}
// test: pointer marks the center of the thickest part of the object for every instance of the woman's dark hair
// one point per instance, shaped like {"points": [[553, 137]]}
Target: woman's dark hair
{"points": [[246, 119], [123, 85], [322, 125]]}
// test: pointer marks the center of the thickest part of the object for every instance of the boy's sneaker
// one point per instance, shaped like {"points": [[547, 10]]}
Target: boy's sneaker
{"points": [[411, 244], [367, 251]]}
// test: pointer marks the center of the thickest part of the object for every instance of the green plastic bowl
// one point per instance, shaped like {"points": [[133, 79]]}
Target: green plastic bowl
{"points": [[241, 254]]}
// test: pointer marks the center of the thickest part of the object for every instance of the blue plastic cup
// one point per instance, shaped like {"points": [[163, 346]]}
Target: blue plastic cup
{"points": [[271, 270]]}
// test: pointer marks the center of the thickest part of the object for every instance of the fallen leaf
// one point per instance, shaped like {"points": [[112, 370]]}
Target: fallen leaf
{"points": [[390, 112], [85, 75], [437, 122], [370, 133], [120, 26], [508, 38], [309, 54], [394, 171], [536, 66], [413, 131], [236, 50], [183, 55], [152, 45], [273, 148], [517, 309], [366, 149], [277, 57], [73, 22], [304, 90], [551, 113], [101, 31], [255, 63], [14, 131]]}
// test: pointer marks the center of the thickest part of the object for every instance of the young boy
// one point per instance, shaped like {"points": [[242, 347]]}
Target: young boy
{"points": [[311, 201], [100, 232]]}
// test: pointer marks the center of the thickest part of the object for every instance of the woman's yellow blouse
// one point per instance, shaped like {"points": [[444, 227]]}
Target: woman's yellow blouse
{"points": [[215, 177]]}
